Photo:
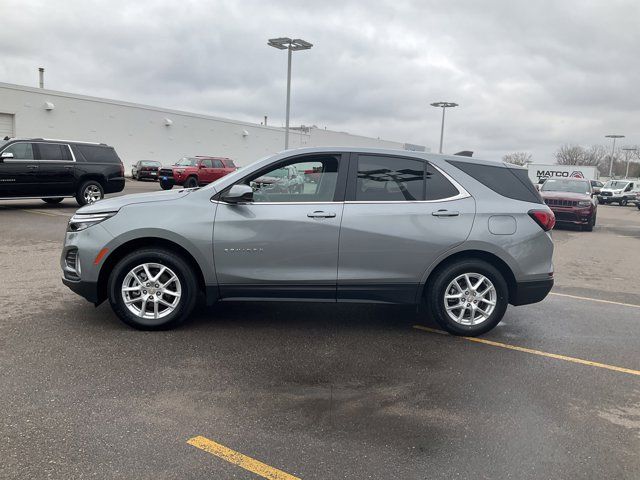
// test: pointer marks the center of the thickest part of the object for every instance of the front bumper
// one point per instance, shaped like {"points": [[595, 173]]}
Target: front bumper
{"points": [[88, 290], [575, 216], [526, 293]]}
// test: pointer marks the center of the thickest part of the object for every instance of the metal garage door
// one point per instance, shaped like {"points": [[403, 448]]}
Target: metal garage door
{"points": [[6, 125]]}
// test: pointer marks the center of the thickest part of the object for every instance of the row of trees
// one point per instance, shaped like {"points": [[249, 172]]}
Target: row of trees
{"points": [[595, 155]]}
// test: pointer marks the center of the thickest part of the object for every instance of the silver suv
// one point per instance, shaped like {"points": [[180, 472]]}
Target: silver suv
{"points": [[465, 236]]}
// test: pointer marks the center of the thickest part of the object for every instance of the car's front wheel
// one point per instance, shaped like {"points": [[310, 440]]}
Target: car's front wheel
{"points": [[192, 182], [468, 297], [152, 289]]}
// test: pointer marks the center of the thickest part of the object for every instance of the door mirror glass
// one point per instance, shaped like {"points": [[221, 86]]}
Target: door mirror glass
{"points": [[238, 194]]}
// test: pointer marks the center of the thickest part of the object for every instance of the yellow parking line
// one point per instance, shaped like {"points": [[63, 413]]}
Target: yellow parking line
{"points": [[40, 213], [595, 300], [237, 458], [538, 352]]}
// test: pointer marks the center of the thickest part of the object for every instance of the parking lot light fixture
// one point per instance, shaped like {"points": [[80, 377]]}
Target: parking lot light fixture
{"points": [[444, 106], [286, 43], [613, 147], [627, 153]]}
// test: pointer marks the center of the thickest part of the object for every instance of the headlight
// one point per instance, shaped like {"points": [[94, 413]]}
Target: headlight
{"points": [[80, 221], [584, 203]]}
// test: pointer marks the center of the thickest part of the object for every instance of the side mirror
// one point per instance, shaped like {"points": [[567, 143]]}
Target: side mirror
{"points": [[201, 165], [6, 155], [238, 194]]}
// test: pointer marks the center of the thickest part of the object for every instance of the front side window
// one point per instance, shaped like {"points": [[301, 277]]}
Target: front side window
{"points": [[21, 151], [307, 180], [207, 163]]}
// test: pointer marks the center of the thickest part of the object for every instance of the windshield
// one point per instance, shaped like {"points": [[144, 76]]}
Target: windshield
{"points": [[149, 163], [573, 186], [187, 162], [616, 185]]}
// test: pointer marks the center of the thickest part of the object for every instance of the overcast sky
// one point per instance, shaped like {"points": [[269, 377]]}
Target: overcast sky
{"points": [[529, 76]]}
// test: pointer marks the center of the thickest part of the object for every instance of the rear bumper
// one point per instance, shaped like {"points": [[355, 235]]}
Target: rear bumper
{"points": [[88, 290], [531, 292], [114, 185], [143, 174]]}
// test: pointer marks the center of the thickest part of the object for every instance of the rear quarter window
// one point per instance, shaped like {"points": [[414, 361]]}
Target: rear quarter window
{"points": [[509, 182], [98, 154]]}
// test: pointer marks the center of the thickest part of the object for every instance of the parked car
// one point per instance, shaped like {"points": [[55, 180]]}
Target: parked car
{"points": [[57, 169], [282, 180], [619, 191], [572, 201], [145, 169], [596, 186], [195, 171], [465, 236]]}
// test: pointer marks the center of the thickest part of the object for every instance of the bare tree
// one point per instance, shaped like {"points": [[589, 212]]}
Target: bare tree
{"points": [[594, 155], [517, 158], [570, 155]]}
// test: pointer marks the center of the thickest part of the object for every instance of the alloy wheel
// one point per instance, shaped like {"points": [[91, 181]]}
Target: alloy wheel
{"points": [[92, 194], [151, 291], [470, 299]]}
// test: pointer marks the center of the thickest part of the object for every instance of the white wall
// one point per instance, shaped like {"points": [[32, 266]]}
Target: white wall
{"points": [[139, 132]]}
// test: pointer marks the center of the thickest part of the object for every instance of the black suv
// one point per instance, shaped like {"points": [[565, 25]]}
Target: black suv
{"points": [[55, 169]]}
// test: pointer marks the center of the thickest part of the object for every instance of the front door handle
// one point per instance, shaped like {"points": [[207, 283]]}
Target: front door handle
{"points": [[445, 213], [31, 167], [321, 214]]}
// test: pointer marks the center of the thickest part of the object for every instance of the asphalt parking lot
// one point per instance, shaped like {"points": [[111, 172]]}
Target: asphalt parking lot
{"points": [[320, 391]]}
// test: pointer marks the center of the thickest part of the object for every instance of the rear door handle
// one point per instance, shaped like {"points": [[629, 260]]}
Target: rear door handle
{"points": [[321, 214], [445, 213]]}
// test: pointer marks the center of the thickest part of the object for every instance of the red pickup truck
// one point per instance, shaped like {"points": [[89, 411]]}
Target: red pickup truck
{"points": [[195, 171]]}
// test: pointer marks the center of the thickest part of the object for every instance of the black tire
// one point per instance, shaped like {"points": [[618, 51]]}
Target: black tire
{"points": [[191, 182], [166, 185], [436, 289], [185, 274], [133, 176], [86, 187], [638, 205], [52, 200], [604, 202], [623, 202], [589, 227]]}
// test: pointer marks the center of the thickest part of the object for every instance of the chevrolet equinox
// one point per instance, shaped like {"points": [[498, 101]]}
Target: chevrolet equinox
{"points": [[465, 237]]}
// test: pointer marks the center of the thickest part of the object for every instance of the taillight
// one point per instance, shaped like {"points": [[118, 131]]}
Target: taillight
{"points": [[545, 218], [121, 169]]}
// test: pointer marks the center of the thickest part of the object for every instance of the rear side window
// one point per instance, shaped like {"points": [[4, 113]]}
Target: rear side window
{"points": [[217, 164], [397, 179], [389, 179], [508, 182], [98, 153], [53, 151]]}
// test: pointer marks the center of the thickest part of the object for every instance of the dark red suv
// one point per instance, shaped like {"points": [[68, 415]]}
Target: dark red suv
{"points": [[195, 171], [571, 200]]}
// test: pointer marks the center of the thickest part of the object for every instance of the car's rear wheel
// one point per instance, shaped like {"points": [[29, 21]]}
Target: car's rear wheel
{"points": [[191, 182], [468, 297], [152, 289], [52, 200], [89, 192]]}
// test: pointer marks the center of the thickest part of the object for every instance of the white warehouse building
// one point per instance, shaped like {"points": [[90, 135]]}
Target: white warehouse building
{"points": [[141, 132]]}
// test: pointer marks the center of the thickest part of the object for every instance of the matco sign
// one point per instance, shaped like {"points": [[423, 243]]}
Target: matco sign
{"points": [[559, 173]]}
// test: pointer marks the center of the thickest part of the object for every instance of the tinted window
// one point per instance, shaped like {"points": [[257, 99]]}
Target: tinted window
{"points": [[98, 153], [207, 163], [389, 179], [230, 163], [438, 187], [21, 151], [53, 151], [508, 182], [307, 180], [217, 164]]}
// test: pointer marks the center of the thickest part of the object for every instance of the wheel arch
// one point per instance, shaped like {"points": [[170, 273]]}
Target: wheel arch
{"points": [[144, 242], [488, 257]]}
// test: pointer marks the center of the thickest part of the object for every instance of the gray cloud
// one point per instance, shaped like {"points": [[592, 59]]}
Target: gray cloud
{"points": [[527, 75]]}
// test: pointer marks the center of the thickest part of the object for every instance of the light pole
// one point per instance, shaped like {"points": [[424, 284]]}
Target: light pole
{"points": [[285, 43], [627, 154], [613, 148], [444, 106]]}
